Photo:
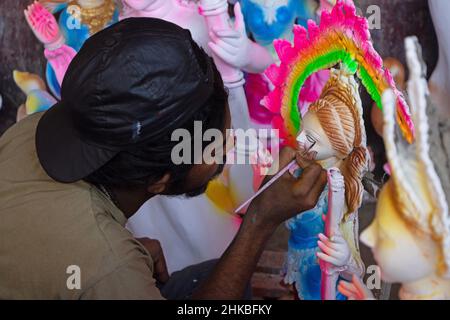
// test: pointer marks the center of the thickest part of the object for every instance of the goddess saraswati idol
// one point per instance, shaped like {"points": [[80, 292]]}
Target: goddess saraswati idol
{"points": [[323, 244]]}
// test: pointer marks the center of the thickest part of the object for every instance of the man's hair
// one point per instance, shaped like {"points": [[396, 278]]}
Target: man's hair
{"points": [[142, 165]]}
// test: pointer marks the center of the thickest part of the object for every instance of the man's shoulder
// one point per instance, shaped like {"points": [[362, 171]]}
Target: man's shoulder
{"points": [[78, 234], [18, 151], [111, 225], [119, 257], [24, 129]]}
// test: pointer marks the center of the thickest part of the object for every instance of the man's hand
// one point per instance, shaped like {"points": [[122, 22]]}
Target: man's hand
{"points": [[160, 272], [288, 196], [284, 199]]}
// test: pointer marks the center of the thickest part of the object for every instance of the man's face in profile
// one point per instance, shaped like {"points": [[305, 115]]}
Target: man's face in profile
{"points": [[201, 175]]}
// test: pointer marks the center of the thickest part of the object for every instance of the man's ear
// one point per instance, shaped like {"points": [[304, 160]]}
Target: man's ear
{"points": [[159, 186]]}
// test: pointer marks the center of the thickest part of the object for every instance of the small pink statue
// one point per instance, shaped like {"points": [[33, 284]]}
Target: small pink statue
{"points": [[78, 20], [46, 29]]}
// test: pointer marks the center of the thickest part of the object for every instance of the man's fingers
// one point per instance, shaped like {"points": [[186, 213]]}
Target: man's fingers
{"points": [[285, 157], [161, 273], [303, 161], [319, 186], [153, 247], [311, 181], [287, 154]]}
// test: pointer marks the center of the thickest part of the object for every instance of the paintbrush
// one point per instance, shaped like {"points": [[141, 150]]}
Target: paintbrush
{"points": [[291, 166]]}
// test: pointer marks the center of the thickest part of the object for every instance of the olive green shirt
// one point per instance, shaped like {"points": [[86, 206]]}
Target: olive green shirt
{"points": [[62, 241]]}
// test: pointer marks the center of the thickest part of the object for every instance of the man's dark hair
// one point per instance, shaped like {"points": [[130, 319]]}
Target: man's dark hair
{"points": [[146, 164]]}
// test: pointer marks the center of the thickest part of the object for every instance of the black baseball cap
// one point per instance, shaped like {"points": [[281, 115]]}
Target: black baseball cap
{"points": [[126, 85]]}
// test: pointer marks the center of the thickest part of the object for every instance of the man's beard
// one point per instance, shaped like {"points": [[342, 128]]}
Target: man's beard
{"points": [[202, 189]]}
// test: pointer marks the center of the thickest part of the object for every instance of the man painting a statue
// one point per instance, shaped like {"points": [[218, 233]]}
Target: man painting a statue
{"points": [[94, 167], [89, 183]]}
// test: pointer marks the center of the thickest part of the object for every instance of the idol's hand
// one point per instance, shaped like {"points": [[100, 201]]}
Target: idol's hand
{"points": [[335, 251], [44, 25], [60, 59], [232, 45], [355, 290]]}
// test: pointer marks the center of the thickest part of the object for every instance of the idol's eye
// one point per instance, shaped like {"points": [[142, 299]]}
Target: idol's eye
{"points": [[310, 139]]}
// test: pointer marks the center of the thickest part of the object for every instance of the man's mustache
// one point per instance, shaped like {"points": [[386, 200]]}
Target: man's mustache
{"points": [[202, 189]]}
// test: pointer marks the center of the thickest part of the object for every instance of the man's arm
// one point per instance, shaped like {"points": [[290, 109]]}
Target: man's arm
{"points": [[283, 200], [232, 273]]}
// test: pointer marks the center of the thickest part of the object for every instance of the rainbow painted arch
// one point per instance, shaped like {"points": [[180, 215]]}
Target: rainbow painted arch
{"points": [[342, 37]]}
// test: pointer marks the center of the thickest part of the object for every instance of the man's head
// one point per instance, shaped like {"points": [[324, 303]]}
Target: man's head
{"points": [[126, 91]]}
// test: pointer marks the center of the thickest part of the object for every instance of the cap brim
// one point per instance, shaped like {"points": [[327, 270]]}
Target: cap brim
{"points": [[61, 152]]}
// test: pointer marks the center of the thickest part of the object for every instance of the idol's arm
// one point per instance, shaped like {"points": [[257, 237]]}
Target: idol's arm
{"points": [[260, 58], [339, 247], [233, 46]]}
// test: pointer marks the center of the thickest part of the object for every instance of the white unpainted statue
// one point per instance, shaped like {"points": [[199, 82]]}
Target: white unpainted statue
{"points": [[439, 82]]}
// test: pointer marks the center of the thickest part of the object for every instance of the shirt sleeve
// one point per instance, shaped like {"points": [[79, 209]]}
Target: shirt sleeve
{"points": [[131, 281]]}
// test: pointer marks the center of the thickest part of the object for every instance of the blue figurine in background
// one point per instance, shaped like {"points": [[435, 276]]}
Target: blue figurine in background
{"points": [[78, 20], [62, 39], [268, 20]]}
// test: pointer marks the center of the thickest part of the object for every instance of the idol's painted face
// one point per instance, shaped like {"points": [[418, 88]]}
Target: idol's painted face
{"points": [[139, 4], [313, 138], [402, 254]]}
